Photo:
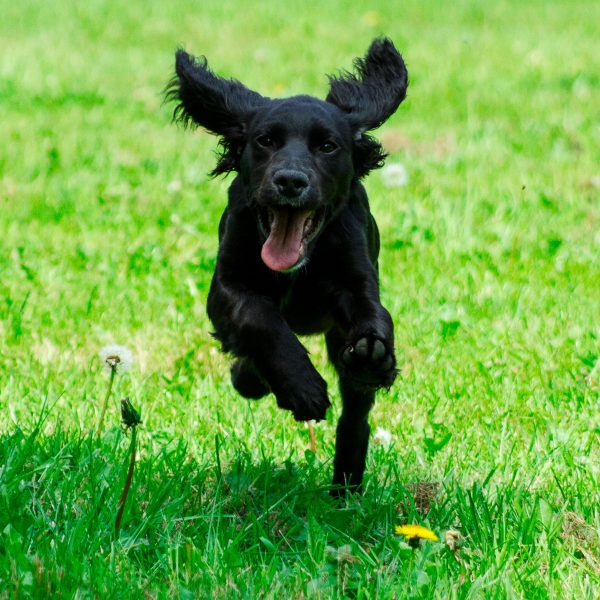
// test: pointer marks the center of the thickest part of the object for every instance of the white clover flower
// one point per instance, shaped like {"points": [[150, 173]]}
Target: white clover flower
{"points": [[116, 358], [382, 437], [394, 175], [173, 187]]}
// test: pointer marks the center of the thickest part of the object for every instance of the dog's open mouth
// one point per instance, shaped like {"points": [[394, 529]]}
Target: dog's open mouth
{"points": [[288, 232]]}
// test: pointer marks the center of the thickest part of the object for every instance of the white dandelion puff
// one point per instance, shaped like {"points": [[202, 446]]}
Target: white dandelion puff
{"points": [[382, 437], [394, 175], [116, 358]]}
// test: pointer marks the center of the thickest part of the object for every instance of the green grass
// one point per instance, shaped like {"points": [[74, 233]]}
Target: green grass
{"points": [[490, 268]]}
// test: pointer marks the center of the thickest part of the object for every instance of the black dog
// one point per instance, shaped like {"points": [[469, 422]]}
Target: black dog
{"points": [[298, 245]]}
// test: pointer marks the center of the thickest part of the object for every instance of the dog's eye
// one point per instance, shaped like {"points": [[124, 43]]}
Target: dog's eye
{"points": [[266, 141], [328, 147]]}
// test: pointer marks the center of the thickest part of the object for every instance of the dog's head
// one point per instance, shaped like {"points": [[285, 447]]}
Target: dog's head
{"points": [[298, 156]]}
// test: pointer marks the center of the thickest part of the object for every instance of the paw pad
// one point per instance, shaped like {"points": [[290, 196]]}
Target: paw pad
{"points": [[369, 360]]}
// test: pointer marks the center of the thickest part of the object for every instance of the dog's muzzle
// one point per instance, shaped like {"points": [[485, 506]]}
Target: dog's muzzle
{"points": [[288, 230]]}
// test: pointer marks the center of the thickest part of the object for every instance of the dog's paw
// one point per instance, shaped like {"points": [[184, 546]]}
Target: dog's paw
{"points": [[247, 381], [306, 397], [370, 360]]}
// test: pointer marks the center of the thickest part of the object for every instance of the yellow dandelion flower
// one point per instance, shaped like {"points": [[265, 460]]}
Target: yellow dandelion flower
{"points": [[416, 532]]}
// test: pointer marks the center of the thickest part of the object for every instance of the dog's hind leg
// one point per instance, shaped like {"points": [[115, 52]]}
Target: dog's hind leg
{"points": [[247, 381]]}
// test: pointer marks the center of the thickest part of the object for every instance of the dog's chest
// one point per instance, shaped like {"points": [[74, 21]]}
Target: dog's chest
{"points": [[305, 307]]}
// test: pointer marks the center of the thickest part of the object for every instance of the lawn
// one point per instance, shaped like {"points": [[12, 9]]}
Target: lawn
{"points": [[490, 267]]}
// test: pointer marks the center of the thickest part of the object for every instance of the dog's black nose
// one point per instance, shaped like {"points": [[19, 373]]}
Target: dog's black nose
{"points": [[290, 183]]}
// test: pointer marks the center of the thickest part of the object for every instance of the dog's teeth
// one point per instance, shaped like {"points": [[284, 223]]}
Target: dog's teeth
{"points": [[307, 224]]}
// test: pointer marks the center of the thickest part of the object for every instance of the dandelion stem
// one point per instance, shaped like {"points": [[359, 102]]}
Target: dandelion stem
{"points": [[123, 498], [311, 433], [113, 372]]}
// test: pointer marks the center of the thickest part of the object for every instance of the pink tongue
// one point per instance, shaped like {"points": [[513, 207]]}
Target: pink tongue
{"points": [[281, 251]]}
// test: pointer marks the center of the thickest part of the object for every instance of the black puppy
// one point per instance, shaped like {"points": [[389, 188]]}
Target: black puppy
{"points": [[298, 245]]}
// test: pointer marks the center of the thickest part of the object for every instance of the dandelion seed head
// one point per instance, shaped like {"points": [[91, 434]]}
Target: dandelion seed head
{"points": [[394, 175], [116, 358]]}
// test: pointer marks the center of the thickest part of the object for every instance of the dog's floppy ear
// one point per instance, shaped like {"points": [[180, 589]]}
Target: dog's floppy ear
{"points": [[374, 94], [222, 106], [369, 98]]}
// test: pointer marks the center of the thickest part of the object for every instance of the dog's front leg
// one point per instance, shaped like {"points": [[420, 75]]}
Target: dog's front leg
{"points": [[251, 327], [364, 339], [361, 347]]}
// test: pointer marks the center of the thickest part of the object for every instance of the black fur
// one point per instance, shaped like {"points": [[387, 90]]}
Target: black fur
{"points": [[298, 245]]}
